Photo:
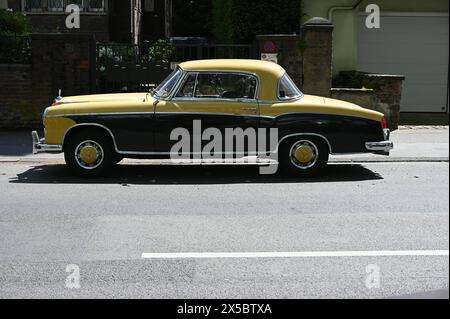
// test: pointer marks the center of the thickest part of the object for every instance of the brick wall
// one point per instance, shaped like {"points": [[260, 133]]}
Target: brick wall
{"points": [[288, 49], [382, 93], [58, 62], [15, 96], [306, 57]]}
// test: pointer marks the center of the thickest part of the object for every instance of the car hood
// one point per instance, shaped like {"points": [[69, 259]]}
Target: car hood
{"points": [[103, 98], [101, 103]]}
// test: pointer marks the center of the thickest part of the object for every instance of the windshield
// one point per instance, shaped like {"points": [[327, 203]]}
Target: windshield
{"points": [[164, 89], [288, 90]]}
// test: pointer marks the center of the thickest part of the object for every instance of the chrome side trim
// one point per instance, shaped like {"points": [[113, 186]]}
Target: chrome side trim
{"points": [[96, 114], [208, 113], [168, 153], [39, 145], [303, 134]]}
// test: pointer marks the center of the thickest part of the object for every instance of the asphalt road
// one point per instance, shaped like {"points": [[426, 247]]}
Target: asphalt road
{"points": [[49, 219]]}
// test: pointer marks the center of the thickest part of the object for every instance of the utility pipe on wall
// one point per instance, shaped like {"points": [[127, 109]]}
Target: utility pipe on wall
{"points": [[341, 8]]}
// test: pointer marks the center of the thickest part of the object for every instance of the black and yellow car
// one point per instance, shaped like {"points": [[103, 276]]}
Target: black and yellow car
{"points": [[97, 131]]}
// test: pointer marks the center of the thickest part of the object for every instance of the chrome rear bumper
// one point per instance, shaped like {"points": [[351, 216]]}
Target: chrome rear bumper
{"points": [[39, 145], [383, 147]]}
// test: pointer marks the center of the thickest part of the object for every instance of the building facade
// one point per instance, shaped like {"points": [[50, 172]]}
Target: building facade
{"points": [[412, 41]]}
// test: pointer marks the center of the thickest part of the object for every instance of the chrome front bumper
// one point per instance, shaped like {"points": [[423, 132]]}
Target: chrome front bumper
{"points": [[39, 145], [383, 147]]}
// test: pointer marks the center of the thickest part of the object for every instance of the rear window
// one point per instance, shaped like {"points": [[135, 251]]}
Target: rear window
{"points": [[288, 90]]}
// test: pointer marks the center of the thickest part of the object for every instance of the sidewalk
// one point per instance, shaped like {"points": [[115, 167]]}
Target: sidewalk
{"points": [[411, 144]]}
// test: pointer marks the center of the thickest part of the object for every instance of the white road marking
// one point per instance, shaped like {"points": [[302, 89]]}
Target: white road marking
{"points": [[304, 254]]}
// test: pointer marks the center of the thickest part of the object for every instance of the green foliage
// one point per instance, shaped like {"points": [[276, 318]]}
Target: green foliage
{"points": [[238, 21], [13, 23], [15, 43], [222, 24], [192, 18], [160, 51], [15, 49]]}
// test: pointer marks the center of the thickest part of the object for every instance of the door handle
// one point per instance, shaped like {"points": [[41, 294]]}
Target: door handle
{"points": [[254, 109]]}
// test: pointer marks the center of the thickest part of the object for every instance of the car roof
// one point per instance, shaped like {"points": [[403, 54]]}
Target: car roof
{"points": [[258, 67]]}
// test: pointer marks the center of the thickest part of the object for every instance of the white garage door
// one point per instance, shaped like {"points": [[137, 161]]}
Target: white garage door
{"points": [[412, 45]]}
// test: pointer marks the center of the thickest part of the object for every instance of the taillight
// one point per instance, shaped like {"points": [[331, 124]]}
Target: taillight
{"points": [[57, 103], [384, 123]]}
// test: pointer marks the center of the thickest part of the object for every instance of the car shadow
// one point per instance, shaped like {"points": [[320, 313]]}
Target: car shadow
{"points": [[169, 174]]}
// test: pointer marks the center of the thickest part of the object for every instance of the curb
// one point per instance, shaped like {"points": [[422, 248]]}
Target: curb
{"points": [[337, 161]]}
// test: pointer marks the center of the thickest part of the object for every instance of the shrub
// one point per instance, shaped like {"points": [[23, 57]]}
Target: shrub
{"points": [[348, 79], [239, 21], [13, 23]]}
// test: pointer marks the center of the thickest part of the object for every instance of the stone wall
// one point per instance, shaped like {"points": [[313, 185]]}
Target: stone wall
{"points": [[317, 72], [388, 90], [362, 97], [382, 93], [288, 49], [306, 57]]}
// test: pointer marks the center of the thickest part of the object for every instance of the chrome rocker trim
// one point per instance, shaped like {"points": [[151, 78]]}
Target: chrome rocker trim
{"points": [[39, 145]]}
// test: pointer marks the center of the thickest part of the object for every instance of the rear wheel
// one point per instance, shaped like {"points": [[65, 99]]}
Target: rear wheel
{"points": [[89, 153], [304, 156]]}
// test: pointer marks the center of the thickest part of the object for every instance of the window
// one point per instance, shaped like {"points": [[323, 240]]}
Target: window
{"points": [[149, 5], [164, 89], [60, 5], [187, 90], [221, 86], [56, 5], [288, 90]]}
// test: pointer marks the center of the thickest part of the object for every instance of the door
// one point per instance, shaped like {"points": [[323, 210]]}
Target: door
{"points": [[209, 103], [414, 45]]}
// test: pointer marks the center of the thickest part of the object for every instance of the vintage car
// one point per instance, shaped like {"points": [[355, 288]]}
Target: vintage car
{"points": [[97, 131]]}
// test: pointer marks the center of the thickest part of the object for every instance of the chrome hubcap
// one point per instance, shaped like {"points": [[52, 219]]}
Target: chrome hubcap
{"points": [[89, 154], [304, 154]]}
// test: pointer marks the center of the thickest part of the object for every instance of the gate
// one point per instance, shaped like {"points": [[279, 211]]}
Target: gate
{"points": [[139, 68]]}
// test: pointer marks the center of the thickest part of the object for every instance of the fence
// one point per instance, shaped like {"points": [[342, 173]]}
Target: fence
{"points": [[124, 67]]}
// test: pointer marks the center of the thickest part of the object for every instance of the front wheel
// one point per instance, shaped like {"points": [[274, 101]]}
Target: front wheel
{"points": [[304, 156], [89, 153]]}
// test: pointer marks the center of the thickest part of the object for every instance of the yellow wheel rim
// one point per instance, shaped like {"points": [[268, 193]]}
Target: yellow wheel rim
{"points": [[89, 154], [304, 154]]}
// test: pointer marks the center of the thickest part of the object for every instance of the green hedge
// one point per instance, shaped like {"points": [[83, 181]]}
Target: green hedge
{"points": [[238, 21], [13, 23]]}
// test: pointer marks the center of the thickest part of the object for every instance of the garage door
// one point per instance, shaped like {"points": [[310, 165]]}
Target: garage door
{"points": [[412, 45]]}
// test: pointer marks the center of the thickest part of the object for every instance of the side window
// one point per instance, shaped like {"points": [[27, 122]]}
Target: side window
{"points": [[225, 86], [288, 89], [187, 90]]}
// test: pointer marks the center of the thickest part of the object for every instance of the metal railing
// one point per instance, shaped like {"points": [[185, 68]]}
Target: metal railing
{"points": [[127, 67], [60, 5], [15, 49], [147, 52]]}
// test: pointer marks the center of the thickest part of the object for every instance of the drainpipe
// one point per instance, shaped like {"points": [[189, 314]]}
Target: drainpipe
{"points": [[341, 8]]}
